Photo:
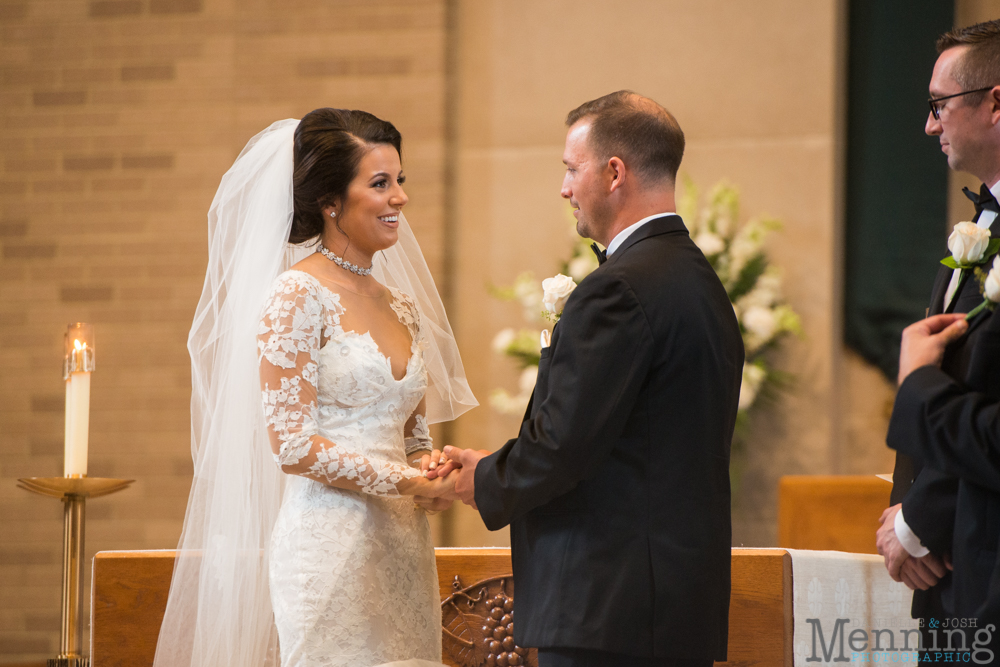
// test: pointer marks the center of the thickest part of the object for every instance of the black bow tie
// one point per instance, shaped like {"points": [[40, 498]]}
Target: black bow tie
{"points": [[984, 201], [601, 255]]}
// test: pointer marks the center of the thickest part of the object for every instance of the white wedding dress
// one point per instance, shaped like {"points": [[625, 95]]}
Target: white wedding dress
{"points": [[353, 580]]}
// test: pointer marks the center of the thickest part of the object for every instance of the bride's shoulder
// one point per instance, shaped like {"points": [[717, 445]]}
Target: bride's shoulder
{"points": [[294, 280], [296, 285]]}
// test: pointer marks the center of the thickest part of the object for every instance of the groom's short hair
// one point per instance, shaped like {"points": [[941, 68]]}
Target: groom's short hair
{"points": [[980, 66], [637, 130]]}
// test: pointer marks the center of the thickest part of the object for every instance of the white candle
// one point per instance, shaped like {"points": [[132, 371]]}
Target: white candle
{"points": [[78, 363], [77, 424]]}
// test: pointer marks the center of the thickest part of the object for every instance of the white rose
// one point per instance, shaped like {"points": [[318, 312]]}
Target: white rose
{"points": [[992, 284], [555, 292], [760, 322], [709, 243], [526, 383], [753, 376], [968, 243], [503, 340]]}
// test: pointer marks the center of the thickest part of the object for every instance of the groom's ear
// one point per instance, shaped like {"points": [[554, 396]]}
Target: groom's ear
{"points": [[617, 174]]}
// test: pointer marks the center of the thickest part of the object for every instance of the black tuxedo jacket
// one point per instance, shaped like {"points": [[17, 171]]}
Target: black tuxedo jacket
{"points": [[617, 488], [951, 420], [928, 495]]}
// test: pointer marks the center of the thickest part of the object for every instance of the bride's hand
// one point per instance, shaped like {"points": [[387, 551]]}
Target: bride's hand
{"points": [[431, 505], [444, 467], [439, 487], [430, 461]]}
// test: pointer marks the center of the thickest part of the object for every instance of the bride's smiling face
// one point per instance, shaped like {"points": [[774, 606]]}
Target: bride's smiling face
{"points": [[369, 213]]}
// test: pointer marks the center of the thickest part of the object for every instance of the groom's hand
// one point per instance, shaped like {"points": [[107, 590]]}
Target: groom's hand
{"points": [[468, 459], [923, 342], [432, 505]]}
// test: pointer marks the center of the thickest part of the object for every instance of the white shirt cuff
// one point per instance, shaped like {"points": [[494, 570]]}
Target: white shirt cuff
{"points": [[907, 538]]}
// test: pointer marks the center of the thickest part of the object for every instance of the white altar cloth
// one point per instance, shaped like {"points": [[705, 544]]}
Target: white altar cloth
{"points": [[831, 586]]}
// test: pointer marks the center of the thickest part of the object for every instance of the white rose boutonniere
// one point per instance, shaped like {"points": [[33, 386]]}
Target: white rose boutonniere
{"points": [[969, 245], [990, 287], [555, 292]]}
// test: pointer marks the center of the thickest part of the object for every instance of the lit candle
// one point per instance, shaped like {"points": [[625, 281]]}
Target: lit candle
{"points": [[77, 366]]}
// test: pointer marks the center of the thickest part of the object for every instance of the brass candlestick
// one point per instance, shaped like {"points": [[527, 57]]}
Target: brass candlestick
{"points": [[73, 491]]}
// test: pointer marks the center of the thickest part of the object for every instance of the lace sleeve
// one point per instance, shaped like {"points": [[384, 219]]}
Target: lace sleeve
{"points": [[288, 342]]}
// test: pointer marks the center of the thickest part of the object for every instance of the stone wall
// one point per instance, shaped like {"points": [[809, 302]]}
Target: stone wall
{"points": [[117, 120]]}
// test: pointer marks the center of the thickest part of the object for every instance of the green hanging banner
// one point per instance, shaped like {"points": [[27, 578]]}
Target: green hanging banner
{"points": [[897, 177]]}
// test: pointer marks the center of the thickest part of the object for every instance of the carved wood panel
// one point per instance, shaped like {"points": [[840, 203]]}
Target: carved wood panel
{"points": [[478, 625]]}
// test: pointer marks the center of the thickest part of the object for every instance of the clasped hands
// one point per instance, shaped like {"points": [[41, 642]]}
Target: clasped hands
{"points": [[448, 476], [922, 572]]}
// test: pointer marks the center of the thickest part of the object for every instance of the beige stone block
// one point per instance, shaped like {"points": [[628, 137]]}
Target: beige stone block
{"points": [[60, 98], [57, 186], [16, 165], [78, 75], [114, 8], [88, 120]]}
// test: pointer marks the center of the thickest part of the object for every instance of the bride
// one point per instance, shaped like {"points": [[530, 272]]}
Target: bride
{"points": [[305, 541]]}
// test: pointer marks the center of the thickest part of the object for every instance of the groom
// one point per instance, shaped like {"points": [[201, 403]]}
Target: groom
{"points": [[617, 487]]}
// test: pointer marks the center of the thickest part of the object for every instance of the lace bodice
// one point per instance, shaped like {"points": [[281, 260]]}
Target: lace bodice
{"points": [[343, 425]]}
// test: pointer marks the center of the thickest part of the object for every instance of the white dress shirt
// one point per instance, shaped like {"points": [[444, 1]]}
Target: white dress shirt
{"points": [[628, 231], [904, 533]]}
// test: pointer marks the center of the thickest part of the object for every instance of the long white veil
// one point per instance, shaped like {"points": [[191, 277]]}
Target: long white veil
{"points": [[219, 609]]}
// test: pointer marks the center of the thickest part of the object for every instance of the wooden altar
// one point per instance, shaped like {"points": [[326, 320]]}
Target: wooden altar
{"points": [[130, 594]]}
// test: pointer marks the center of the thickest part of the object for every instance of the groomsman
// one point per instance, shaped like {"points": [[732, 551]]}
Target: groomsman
{"points": [[933, 511], [617, 487]]}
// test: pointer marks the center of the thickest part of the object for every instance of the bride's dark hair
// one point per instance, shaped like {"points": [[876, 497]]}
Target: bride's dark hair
{"points": [[329, 144]]}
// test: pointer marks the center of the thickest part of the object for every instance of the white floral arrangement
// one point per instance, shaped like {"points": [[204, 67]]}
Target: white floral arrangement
{"points": [[736, 252]]}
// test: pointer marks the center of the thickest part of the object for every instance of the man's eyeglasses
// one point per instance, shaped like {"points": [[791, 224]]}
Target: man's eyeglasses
{"points": [[935, 102]]}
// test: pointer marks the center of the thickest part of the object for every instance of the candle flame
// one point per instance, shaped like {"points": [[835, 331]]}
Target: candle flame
{"points": [[77, 345]]}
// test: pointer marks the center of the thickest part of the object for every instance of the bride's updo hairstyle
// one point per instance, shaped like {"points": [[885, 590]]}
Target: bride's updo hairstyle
{"points": [[329, 145]]}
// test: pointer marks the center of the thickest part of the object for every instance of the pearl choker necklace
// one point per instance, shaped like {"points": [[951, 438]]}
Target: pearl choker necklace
{"points": [[343, 263]]}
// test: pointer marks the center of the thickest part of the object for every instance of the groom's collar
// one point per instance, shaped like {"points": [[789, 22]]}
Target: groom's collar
{"points": [[655, 225], [620, 237]]}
